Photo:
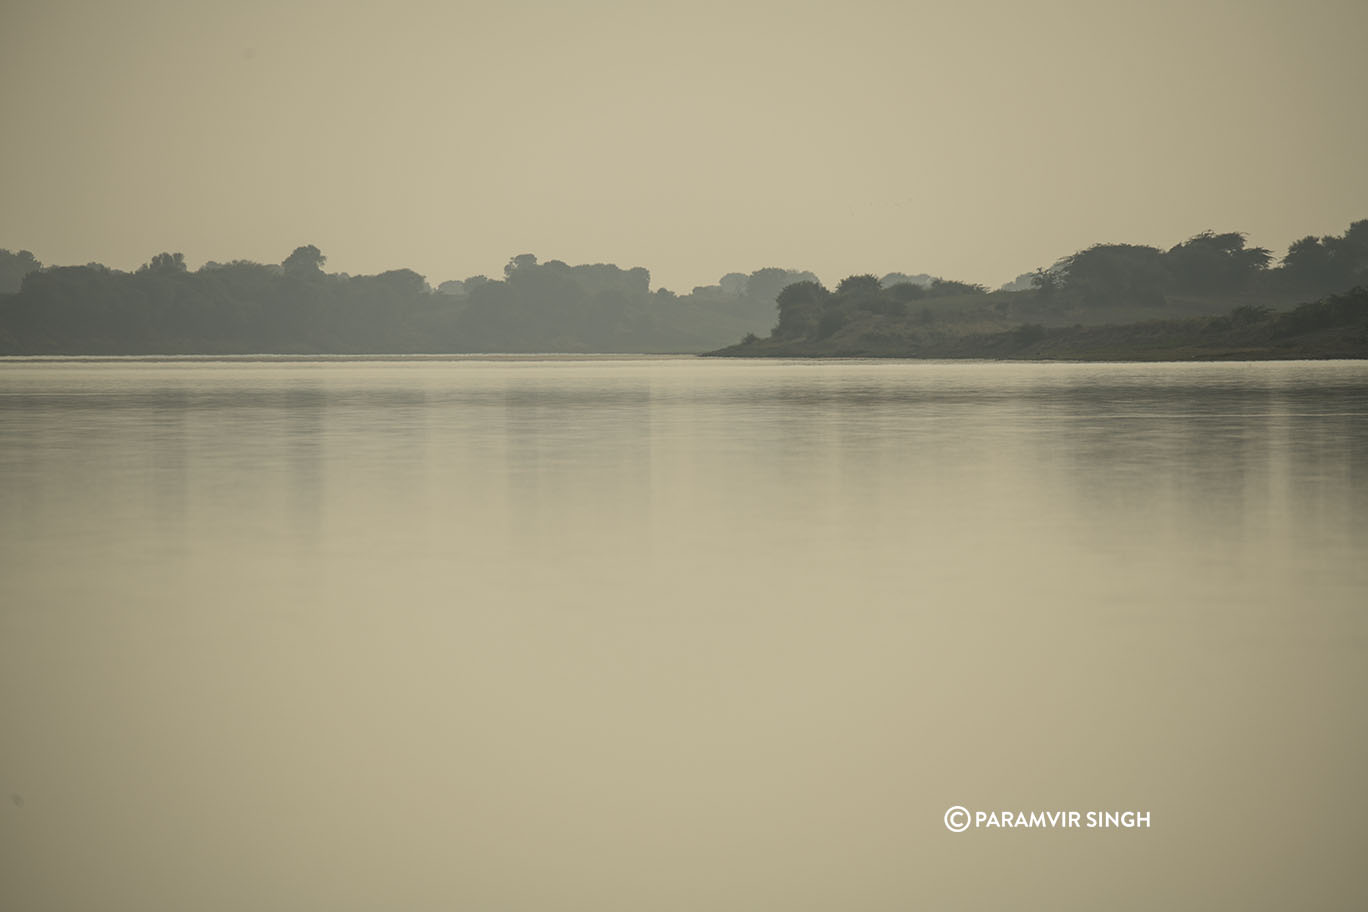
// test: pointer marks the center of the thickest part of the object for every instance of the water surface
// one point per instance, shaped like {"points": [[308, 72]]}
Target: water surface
{"points": [[625, 634]]}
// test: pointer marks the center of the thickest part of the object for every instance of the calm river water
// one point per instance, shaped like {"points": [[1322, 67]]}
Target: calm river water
{"points": [[679, 634]]}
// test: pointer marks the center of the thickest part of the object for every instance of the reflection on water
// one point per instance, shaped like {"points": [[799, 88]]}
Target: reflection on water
{"points": [[679, 634]]}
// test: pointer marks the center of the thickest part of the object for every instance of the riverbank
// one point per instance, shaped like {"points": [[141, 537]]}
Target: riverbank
{"points": [[1334, 327]]}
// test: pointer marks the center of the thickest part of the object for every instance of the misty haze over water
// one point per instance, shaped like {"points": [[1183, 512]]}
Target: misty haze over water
{"points": [[631, 633]]}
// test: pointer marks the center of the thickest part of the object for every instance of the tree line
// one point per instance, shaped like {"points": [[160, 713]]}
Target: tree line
{"points": [[297, 307], [1204, 274]]}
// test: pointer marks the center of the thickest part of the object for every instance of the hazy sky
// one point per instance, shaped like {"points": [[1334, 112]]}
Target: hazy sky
{"points": [[970, 140]]}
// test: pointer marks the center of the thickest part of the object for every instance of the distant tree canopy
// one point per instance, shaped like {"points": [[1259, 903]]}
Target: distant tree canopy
{"points": [[305, 262], [902, 278], [943, 287], [1329, 263], [762, 286], [1207, 263], [766, 284], [1210, 263], [859, 286], [13, 268], [1209, 272], [242, 306], [165, 263], [235, 307], [800, 309], [807, 310], [1117, 271]]}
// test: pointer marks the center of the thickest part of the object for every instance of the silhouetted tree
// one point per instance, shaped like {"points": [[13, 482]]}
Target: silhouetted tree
{"points": [[165, 263], [859, 285], [906, 291], [521, 261], [1331, 263], [944, 287], [800, 309], [765, 284], [13, 268], [1046, 282], [305, 262], [1210, 262], [733, 284], [1117, 273]]}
